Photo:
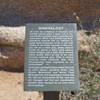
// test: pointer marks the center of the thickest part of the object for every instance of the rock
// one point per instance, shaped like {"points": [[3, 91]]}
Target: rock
{"points": [[11, 58], [14, 36], [50, 7], [12, 48], [51, 10], [81, 41]]}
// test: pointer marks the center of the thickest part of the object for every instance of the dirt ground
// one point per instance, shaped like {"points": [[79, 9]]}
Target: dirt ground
{"points": [[11, 88]]}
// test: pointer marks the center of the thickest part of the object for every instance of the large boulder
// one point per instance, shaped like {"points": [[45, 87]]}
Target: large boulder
{"points": [[11, 58], [48, 10], [12, 48], [13, 36]]}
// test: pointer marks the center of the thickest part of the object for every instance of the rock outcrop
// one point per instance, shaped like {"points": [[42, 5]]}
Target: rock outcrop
{"points": [[49, 10], [11, 58], [12, 48], [81, 41], [13, 36]]}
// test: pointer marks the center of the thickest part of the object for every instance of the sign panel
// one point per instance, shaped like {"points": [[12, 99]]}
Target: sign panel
{"points": [[51, 62]]}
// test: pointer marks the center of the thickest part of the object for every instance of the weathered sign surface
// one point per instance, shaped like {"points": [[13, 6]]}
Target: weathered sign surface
{"points": [[51, 62]]}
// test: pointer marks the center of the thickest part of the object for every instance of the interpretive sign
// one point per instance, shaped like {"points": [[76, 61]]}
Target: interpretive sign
{"points": [[51, 62]]}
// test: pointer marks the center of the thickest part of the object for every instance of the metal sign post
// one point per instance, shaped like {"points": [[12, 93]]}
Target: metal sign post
{"points": [[51, 95]]}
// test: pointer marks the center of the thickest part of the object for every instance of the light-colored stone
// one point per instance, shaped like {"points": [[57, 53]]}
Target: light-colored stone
{"points": [[12, 47], [82, 41], [13, 36]]}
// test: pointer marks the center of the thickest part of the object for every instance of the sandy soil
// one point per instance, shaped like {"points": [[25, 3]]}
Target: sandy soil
{"points": [[11, 88]]}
